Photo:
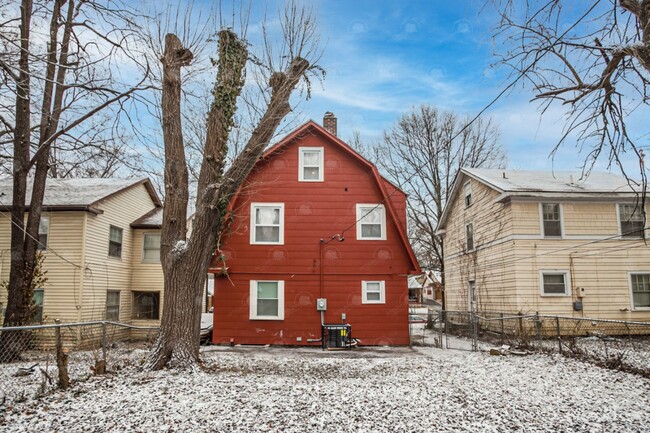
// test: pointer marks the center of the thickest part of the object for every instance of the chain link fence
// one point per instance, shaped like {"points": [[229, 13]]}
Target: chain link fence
{"points": [[613, 344], [36, 359]]}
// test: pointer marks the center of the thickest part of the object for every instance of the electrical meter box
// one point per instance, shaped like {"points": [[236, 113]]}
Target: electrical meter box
{"points": [[321, 304]]}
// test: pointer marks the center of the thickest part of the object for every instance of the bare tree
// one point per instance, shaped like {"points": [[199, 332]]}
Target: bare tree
{"points": [[592, 58], [57, 69], [186, 256], [422, 153]]}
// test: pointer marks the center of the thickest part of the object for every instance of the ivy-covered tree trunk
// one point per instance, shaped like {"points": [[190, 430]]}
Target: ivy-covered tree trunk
{"points": [[186, 259]]}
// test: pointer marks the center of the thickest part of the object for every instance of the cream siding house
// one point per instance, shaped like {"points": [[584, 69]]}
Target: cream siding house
{"points": [[553, 243], [94, 233]]}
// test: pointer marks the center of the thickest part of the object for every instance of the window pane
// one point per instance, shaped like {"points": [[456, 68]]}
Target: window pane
{"points": [[554, 284], [311, 158], [267, 215], [631, 221], [42, 242], [373, 296], [371, 214], [310, 173], [267, 307], [151, 247], [114, 249], [267, 290], [373, 287], [37, 300], [371, 230], [469, 231], [267, 234], [44, 226], [552, 228], [116, 235]]}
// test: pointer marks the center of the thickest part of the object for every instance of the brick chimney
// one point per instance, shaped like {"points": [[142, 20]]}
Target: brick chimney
{"points": [[329, 123]]}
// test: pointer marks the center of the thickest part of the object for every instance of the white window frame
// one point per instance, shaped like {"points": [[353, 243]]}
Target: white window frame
{"points": [[364, 292], [567, 282], [618, 223], [467, 238], [472, 299], [541, 221], [467, 192], [281, 224], [361, 214], [144, 242], [253, 300], [301, 163], [629, 282], [43, 246]]}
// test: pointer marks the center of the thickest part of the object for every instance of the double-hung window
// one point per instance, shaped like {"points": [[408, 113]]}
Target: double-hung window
{"points": [[113, 305], [371, 222], [267, 300], [267, 223], [310, 164], [640, 285], [631, 221], [468, 194], [373, 292], [551, 220], [554, 283], [469, 235], [115, 242], [43, 230], [151, 247]]}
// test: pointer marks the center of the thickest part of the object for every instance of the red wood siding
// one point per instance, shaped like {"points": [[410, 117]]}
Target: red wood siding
{"points": [[314, 211]]}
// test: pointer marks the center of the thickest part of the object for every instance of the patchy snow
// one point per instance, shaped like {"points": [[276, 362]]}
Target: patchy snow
{"points": [[373, 390], [179, 248]]}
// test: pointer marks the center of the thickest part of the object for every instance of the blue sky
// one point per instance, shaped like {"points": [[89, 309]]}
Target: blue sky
{"points": [[384, 57]]}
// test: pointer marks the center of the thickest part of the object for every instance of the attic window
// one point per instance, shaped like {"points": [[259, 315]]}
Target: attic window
{"points": [[310, 164], [468, 194]]}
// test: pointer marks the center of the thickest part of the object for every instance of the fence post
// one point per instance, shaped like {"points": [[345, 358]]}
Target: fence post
{"points": [[538, 327], [503, 331], [104, 342], [61, 360], [521, 323], [474, 331], [559, 335], [441, 326]]}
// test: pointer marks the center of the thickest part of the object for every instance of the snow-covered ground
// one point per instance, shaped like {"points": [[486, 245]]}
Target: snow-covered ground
{"points": [[372, 390]]}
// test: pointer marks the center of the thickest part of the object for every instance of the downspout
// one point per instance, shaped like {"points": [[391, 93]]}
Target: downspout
{"points": [[321, 245]]}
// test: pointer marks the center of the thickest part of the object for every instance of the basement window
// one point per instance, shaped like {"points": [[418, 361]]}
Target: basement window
{"points": [[146, 305], [554, 283]]}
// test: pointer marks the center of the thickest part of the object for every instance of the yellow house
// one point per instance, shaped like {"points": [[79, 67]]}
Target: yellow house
{"points": [[101, 242], [549, 242]]}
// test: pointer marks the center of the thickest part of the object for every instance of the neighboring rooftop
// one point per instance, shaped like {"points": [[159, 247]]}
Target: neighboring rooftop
{"points": [[75, 194], [550, 181], [150, 220]]}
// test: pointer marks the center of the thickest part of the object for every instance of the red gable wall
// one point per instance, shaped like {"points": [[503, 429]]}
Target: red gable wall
{"points": [[314, 211]]}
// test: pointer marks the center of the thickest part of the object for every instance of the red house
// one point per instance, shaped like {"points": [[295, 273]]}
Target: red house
{"points": [[314, 221]]}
